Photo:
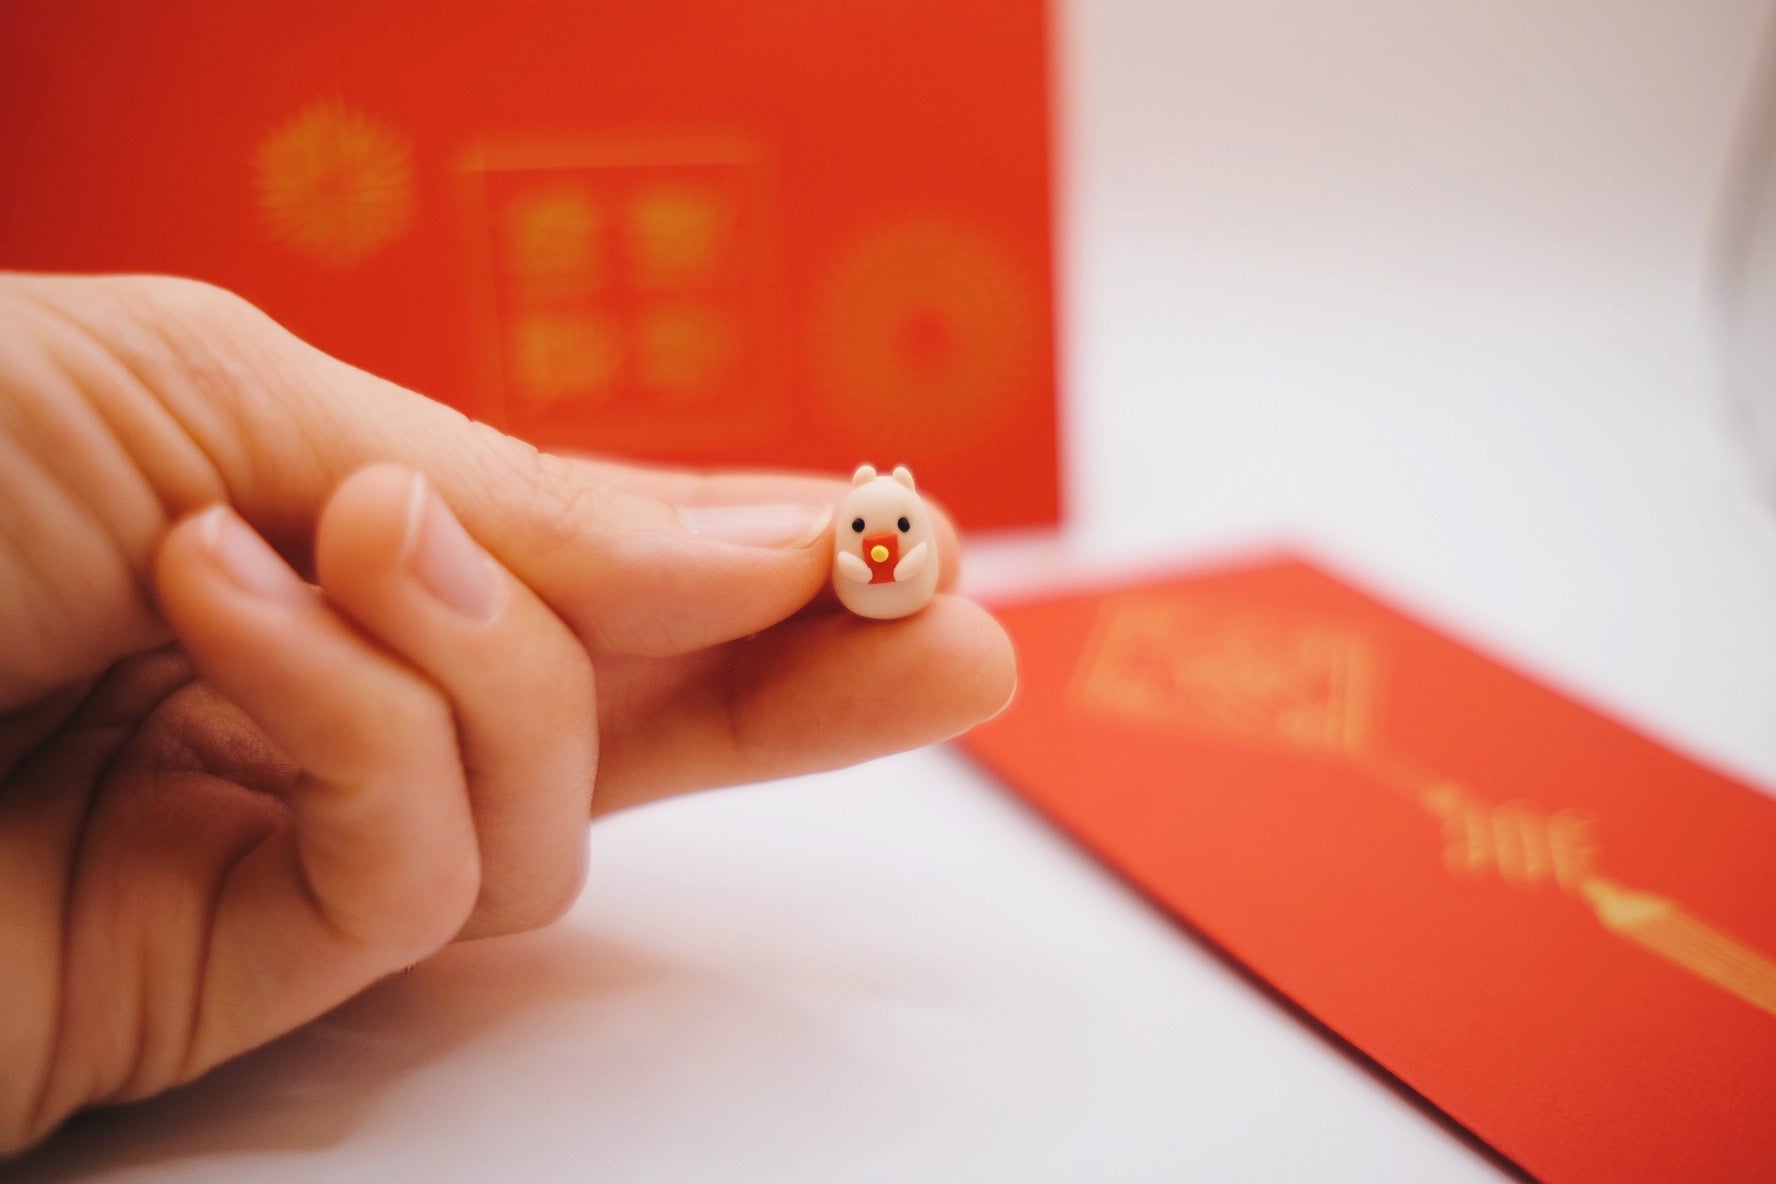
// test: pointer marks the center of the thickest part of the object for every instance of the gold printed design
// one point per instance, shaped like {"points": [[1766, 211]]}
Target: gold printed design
{"points": [[1204, 670], [1177, 663], [1662, 926], [925, 320], [552, 240], [681, 349], [1525, 847], [631, 277], [564, 355], [334, 184], [677, 234]]}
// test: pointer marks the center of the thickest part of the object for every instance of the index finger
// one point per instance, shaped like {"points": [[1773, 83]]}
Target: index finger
{"points": [[680, 486]]}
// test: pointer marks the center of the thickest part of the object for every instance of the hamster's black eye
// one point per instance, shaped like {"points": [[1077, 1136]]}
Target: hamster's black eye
{"points": [[904, 525], [857, 525]]}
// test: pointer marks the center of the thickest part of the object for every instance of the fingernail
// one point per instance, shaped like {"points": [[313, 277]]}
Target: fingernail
{"points": [[451, 565], [249, 561], [772, 524]]}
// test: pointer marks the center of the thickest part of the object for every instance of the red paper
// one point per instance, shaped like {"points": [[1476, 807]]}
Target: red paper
{"points": [[793, 233], [1558, 931]]}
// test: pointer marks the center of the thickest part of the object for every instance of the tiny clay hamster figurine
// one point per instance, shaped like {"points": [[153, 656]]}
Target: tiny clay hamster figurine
{"points": [[884, 550]]}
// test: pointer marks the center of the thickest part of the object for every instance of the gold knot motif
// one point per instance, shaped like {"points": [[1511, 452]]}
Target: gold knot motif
{"points": [[1180, 664]]}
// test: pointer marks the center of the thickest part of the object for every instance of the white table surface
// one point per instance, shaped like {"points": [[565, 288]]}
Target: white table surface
{"points": [[1419, 288]]}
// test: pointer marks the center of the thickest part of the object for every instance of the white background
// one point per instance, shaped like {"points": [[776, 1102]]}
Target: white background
{"points": [[1418, 287]]}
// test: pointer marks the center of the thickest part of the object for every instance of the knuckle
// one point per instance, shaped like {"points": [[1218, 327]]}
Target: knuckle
{"points": [[183, 297], [192, 321], [578, 505], [198, 325], [230, 376]]}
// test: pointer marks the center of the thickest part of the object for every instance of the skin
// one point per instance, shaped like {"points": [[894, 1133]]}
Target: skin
{"points": [[227, 805]]}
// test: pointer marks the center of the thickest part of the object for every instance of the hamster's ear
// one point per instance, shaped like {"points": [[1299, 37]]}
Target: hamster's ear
{"points": [[863, 473], [903, 475]]}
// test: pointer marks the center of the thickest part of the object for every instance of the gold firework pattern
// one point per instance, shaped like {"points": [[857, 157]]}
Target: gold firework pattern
{"points": [[928, 321], [334, 184]]}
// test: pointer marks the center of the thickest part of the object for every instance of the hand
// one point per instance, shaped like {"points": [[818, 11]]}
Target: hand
{"points": [[303, 676]]}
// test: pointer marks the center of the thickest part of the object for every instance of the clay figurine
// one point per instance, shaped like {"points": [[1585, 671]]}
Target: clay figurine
{"points": [[884, 550]]}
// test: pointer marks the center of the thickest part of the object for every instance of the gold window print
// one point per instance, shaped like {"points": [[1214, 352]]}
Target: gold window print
{"points": [[627, 288]]}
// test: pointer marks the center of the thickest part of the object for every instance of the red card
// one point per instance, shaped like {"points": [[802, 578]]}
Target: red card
{"points": [[1556, 930], [805, 232]]}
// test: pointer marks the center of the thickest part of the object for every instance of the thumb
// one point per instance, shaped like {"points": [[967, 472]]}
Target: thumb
{"points": [[283, 424]]}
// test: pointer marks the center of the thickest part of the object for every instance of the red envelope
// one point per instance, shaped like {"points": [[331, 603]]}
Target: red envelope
{"points": [[1556, 930], [805, 232]]}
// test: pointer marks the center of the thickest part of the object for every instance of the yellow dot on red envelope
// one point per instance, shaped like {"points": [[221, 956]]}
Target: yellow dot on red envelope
{"points": [[334, 183], [879, 553]]}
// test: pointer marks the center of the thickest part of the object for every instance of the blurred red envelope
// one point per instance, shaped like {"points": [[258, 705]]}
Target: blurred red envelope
{"points": [[796, 233], [1556, 930]]}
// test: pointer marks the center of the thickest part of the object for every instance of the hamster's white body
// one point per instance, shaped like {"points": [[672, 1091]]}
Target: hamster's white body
{"points": [[881, 569]]}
